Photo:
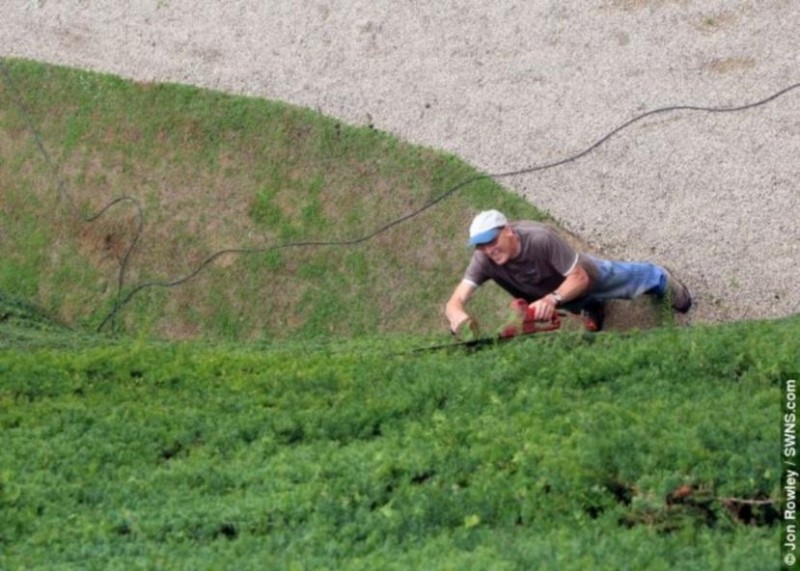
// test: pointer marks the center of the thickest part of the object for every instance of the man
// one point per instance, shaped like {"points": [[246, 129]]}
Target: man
{"points": [[532, 262]]}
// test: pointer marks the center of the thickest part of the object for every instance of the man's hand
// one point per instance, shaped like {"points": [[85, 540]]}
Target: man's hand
{"points": [[544, 308], [467, 330], [455, 309]]}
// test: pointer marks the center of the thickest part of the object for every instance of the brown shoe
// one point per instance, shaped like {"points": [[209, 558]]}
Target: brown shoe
{"points": [[677, 293]]}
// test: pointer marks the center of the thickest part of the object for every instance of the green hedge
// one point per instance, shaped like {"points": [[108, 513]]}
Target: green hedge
{"points": [[552, 452]]}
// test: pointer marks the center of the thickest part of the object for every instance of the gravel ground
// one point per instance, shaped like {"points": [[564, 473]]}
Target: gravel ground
{"points": [[510, 85]]}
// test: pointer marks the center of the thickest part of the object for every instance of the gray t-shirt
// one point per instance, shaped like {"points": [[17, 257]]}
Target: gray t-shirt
{"points": [[544, 259]]}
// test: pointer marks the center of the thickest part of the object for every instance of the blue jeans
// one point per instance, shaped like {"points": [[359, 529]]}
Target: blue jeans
{"points": [[622, 280]]}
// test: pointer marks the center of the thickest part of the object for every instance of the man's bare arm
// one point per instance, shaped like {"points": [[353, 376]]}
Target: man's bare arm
{"points": [[455, 310], [575, 284]]}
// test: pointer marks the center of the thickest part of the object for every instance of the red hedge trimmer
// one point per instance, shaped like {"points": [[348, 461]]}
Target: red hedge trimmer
{"points": [[523, 322]]}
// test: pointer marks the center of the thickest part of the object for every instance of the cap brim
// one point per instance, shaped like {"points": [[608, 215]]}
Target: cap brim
{"points": [[484, 237]]}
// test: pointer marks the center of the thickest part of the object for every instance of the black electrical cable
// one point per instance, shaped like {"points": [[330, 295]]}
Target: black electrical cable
{"points": [[121, 302], [451, 191]]}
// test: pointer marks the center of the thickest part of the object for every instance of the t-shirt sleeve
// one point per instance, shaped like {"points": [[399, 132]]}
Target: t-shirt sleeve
{"points": [[476, 272], [561, 255]]}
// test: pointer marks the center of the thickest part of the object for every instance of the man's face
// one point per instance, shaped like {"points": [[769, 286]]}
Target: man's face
{"points": [[502, 248]]}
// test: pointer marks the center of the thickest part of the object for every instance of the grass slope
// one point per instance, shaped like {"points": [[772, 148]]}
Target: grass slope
{"points": [[112, 190], [557, 451]]}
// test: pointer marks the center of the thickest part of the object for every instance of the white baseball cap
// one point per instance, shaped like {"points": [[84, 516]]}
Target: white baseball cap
{"points": [[486, 226]]}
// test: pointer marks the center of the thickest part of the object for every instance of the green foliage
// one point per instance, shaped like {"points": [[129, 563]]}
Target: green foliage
{"points": [[550, 452]]}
